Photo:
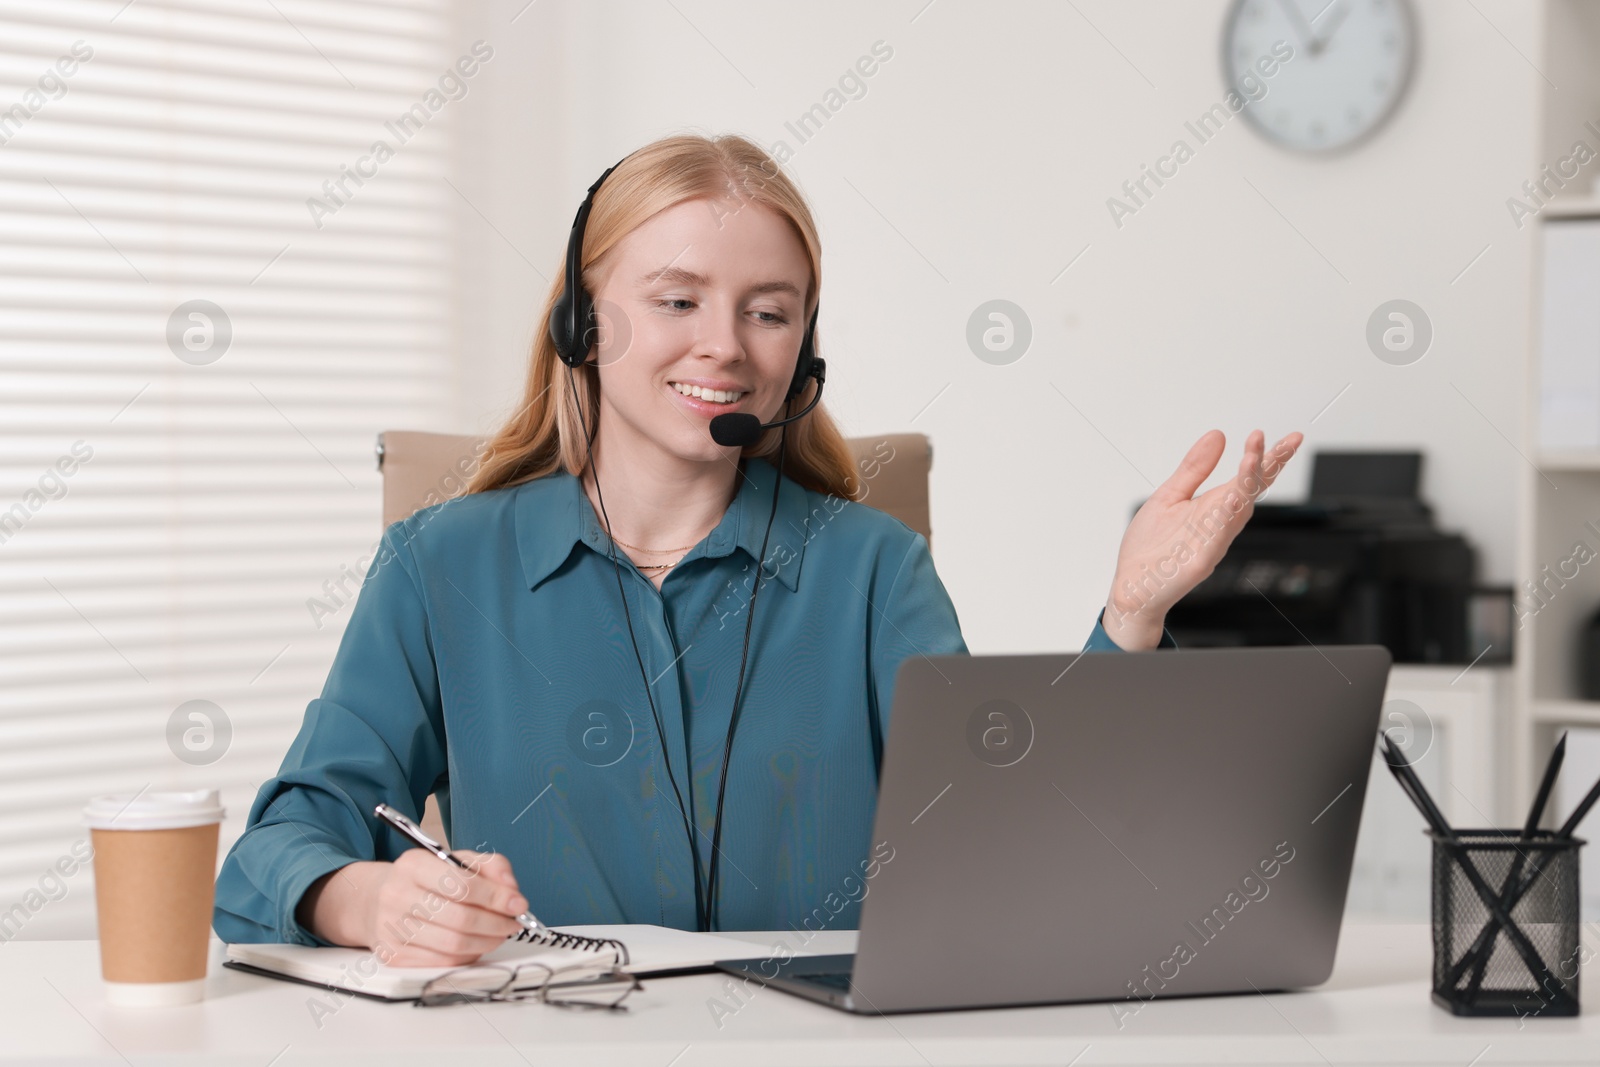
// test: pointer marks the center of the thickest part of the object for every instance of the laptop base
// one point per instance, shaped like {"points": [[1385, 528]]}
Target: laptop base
{"points": [[825, 979]]}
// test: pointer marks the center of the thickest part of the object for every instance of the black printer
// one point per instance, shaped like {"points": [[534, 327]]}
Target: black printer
{"points": [[1360, 562]]}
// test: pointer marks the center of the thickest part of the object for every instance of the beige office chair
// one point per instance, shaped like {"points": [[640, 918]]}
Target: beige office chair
{"points": [[421, 469]]}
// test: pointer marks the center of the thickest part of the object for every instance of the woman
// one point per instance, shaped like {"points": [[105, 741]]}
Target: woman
{"points": [[570, 693]]}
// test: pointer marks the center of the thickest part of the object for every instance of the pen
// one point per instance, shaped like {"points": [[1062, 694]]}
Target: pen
{"points": [[1412, 785], [399, 821], [1542, 797], [1500, 917], [1514, 876], [1571, 825]]}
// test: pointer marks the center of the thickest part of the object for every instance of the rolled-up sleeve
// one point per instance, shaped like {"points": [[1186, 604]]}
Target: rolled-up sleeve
{"points": [[375, 734], [1100, 641]]}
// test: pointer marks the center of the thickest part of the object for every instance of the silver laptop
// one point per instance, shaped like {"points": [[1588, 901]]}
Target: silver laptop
{"points": [[1107, 826]]}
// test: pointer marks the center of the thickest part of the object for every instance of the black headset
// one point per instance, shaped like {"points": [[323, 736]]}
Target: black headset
{"points": [[572, 321], [572, 330]]}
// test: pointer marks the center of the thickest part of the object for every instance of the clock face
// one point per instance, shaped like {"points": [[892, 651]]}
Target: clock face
{"points": [[1351, 62]]}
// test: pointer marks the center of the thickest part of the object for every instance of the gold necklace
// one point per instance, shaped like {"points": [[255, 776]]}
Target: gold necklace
{"points": [[655, 567], [657, 551], [641, 548]]}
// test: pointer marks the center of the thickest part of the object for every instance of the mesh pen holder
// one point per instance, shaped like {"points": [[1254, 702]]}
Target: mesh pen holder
{"points": [[1505, 923]]}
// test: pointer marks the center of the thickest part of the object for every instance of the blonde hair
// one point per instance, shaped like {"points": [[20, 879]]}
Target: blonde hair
{"points": [[545, 435]]}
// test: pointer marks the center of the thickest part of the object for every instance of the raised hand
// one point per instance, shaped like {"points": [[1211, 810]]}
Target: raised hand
{"points": [[1176, 539]]}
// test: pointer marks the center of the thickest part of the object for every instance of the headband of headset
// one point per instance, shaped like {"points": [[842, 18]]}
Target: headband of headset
{"points": [[572, 322]]}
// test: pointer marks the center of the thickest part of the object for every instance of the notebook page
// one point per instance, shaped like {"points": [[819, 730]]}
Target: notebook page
{"points": [[650, 949], [358, 970]]}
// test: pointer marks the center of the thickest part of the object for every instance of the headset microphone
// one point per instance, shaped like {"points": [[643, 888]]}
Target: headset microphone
{"points": [[740, 428]]}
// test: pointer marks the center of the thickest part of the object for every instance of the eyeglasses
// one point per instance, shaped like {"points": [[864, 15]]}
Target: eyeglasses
{"points": [[561, 988]]}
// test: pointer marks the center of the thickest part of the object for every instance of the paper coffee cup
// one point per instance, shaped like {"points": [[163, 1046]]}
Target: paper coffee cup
{"points": [[155, 863]]}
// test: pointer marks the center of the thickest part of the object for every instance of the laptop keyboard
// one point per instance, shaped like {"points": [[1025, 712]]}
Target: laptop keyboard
{"points": [[839, 981]]}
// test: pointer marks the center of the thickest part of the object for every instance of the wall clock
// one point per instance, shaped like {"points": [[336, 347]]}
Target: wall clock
{"points": [[1351, 65]]}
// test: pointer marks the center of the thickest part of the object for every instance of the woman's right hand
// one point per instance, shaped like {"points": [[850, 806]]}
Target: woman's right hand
{"points": [[418, 911]]}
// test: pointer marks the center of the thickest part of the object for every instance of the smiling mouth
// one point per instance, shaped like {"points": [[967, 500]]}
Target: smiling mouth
{"points": [[709, 396]]}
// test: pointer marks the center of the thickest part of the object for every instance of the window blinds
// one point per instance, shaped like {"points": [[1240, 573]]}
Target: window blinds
{"points": [[204, 321]]}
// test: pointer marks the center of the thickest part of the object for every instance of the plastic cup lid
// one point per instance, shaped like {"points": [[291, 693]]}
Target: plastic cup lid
{"points": [[153, 811]]}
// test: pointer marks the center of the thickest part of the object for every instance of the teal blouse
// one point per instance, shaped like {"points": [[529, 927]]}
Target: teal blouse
{"points": [[487, 660]]}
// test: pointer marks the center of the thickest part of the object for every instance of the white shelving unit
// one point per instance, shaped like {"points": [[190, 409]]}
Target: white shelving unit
{"points": [[1567, 712], [1576, 207], [1563, 494]]}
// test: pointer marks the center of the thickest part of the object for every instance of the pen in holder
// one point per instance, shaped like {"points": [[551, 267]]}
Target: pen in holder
{"points": [[1505, 922], [1505, 904]]}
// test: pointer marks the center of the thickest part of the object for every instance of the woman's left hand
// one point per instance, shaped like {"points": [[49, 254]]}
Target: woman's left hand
{"points": [[1176, 539]]}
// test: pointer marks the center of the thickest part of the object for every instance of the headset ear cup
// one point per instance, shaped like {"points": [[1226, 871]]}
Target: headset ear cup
{"points": [[571, 327], [582, 329], [560, 320], [802, 371], [808, 355]]}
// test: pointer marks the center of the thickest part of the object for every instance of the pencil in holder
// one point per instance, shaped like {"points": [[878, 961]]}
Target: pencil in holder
{"points": [[1505, 923]]}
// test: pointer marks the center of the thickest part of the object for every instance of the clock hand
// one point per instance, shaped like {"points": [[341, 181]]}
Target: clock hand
{"points": [[1321, 40], [1302, 28]]}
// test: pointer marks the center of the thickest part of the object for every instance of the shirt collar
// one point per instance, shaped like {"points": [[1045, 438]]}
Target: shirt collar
{"points": [[553, 514]]}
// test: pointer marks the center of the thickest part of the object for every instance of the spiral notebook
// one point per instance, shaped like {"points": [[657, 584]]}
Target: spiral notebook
{"points": [[572, 950]]}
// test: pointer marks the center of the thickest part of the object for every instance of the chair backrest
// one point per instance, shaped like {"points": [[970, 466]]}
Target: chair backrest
{"points": [[420, 469]]}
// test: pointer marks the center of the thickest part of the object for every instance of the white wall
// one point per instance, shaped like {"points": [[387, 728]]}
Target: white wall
{"points": [[977, 166]]}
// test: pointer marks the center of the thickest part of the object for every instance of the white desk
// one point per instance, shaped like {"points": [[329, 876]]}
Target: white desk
{"points": [[1375, 1010]]}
